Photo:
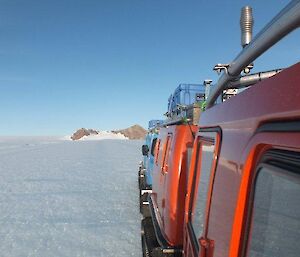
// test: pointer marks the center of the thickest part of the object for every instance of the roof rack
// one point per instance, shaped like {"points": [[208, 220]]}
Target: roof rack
{"points": [[187, 114], [281, 25]]}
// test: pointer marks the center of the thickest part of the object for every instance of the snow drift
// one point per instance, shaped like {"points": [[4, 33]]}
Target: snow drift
{"points": [[103, 135]]}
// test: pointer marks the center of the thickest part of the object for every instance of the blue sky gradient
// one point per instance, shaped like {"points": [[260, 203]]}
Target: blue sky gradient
{"points": [[111, 64]]}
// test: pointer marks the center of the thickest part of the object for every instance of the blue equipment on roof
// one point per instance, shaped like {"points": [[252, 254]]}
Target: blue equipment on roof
{"points": [[154, 123], [184, 95]]}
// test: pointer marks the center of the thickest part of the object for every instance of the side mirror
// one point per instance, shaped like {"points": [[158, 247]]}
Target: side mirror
{"points": [[145, 150]]}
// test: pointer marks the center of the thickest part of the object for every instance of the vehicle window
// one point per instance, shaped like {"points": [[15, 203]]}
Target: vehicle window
{"points": [[166, 155], [206, 159], [275, 228], [188, 159], [189, 156], [157, 151], [153, 146]]}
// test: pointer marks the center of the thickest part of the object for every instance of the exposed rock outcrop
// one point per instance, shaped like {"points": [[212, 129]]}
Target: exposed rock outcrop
{"points": [[83, 132], [133, 132]]}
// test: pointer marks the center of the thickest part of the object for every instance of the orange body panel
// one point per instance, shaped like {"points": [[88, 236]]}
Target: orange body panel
{"points": [[238, 120], [170, 179]]}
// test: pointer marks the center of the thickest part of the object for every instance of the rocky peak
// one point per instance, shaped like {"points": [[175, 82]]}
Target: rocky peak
{"points": [[133, 132], [83, 132]]}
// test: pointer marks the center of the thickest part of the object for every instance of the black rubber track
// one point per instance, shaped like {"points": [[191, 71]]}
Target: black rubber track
{"points": [[151, 247], [143, 198], [145, 247], [149, 237], [139, 179], [144, 208]]}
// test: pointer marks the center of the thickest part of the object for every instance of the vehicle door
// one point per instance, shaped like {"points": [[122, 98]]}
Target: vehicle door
{"points": [[203, 167]]}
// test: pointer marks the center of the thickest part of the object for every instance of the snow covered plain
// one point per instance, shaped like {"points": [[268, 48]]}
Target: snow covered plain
{"points": [[64, 198]]}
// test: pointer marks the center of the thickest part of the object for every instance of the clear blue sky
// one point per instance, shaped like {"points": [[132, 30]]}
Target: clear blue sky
{"points": [[109, 64]]}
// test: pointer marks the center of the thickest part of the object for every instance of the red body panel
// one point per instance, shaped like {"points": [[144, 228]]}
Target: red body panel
{"points": [[169, 182], [241, 146]]}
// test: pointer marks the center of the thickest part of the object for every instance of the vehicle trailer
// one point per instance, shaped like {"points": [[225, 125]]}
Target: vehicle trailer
{"points": [[243, 189], [144, 162], [163, 228], [170, 170], [145, 169], [145, 165], [153, 127]]}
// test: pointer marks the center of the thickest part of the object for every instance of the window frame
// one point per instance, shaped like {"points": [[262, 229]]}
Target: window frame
{"points": [[166, 153], [157, 148], [195, 181], [275, 165]]}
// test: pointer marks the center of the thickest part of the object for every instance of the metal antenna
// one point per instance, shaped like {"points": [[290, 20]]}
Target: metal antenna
{"points": [[246, 23]]}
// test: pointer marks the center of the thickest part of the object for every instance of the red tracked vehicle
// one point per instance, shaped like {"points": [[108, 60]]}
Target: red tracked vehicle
{"points": [[243, 190], [169, 174], [163, 229], [244, 181]]}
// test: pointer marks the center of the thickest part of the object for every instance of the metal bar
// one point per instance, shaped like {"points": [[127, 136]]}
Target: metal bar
{"points": [[248, 80], [283, 23]]}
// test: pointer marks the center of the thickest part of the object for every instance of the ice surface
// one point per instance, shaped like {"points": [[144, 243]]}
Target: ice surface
{"points": [[65, 198]]}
